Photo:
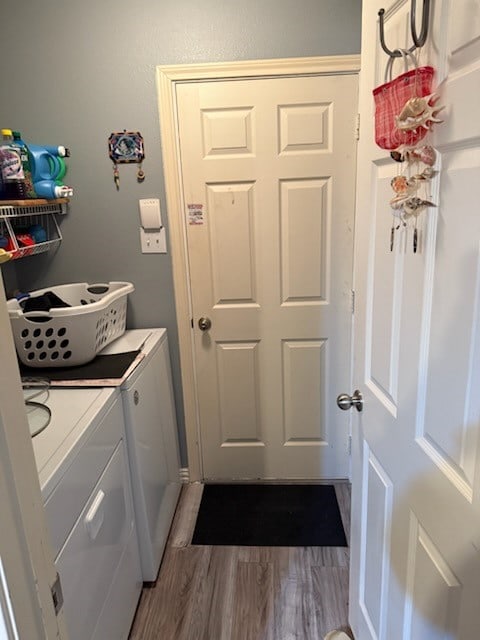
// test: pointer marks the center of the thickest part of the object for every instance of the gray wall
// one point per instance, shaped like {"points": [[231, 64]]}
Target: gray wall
{"points": [[74, 71]]}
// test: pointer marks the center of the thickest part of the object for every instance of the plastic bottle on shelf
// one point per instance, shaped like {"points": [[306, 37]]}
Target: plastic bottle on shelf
{"points": [[27, 171], [13, 177], [48, 170], [48, 189], [44, 160]]}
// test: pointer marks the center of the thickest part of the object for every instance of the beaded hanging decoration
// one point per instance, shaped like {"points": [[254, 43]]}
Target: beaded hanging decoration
{"points": [[126, 147]]}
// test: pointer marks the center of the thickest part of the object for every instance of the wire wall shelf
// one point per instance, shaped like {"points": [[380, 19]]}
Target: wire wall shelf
{"points": [[30, 227]]}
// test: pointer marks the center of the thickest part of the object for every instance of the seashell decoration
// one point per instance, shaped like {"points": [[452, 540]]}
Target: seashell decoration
{"points": [[428, 155], [425, 154], [414, 206], [418, 112], [404, 203], [427, 174], [400, 184], [411, 191]]}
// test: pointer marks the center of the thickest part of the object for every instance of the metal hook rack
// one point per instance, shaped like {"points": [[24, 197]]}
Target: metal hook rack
{"points": [[418, 41]]}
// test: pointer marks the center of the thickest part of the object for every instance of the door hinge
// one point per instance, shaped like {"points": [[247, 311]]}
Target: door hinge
{"points": [[57, 595], [357, 127], [349, 445], [353, 302], [191, 322]]}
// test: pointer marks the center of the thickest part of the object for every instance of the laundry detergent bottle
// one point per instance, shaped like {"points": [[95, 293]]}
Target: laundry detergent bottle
{"points": [[11, 167], [19, 144], [48, 170]]}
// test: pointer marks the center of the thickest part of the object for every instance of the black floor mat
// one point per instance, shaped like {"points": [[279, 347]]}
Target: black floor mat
{"points": [[269, 516]]}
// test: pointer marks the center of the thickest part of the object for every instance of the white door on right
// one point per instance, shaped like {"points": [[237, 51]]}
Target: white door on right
{"points": [[415, 572]]}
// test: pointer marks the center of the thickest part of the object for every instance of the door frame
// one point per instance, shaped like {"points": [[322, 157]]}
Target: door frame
{"points": [[167, 78]]}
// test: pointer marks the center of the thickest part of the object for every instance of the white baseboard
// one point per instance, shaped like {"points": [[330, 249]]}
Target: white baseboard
{"points": [[184, 475]]}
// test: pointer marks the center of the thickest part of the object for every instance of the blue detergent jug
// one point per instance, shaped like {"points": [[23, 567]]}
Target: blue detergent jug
{"points": [[48, 170]]}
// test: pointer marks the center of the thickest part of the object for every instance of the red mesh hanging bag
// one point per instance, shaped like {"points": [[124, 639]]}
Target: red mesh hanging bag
{"points": [[391, 97]]}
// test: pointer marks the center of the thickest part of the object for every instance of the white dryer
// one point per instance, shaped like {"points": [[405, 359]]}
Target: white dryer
{"points": [[152, 442]]}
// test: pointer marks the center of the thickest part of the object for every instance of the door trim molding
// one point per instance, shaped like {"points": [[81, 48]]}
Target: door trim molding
{"points": [[167, 77]]}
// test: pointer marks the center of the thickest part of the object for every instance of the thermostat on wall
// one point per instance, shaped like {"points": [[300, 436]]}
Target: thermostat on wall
{"points": [[150, 215], [152, 232]]}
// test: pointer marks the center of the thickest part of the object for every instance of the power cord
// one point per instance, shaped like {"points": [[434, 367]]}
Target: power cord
{"points": [[39, 386]]}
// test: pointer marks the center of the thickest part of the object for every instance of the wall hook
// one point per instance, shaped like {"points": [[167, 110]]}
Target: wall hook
{"points": [[418, 41]]}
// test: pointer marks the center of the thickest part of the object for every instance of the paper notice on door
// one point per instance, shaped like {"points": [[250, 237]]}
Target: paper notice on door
{"points": [[195, 213]]}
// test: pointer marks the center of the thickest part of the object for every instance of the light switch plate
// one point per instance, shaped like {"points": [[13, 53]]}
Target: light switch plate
{"points": [[153, 241]]}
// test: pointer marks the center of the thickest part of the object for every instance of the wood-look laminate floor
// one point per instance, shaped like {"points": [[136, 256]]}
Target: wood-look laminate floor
{"points": [[244, 593]]}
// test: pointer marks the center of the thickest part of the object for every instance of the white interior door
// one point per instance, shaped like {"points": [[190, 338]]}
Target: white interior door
{"points": [[415, 572], [27, 571], [268, 168]]}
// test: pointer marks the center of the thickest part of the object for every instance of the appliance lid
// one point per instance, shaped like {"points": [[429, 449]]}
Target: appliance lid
{"points": [[133, 340]]}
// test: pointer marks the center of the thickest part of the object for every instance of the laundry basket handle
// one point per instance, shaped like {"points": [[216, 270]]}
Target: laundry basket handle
{"points": [[36, 314], [101, 285]]}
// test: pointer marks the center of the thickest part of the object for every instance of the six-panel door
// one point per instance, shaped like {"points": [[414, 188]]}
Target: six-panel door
{"points": [[268, 170], [415, 572]]}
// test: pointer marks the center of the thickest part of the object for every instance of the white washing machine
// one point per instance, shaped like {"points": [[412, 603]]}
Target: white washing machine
{"points": [[81, 458], [152, 442]]}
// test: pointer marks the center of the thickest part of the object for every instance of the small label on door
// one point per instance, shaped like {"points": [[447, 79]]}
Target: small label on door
{"points": [[195, 213]]}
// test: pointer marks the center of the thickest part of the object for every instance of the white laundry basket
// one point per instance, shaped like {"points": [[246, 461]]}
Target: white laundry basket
{"points": [[70, 336]]}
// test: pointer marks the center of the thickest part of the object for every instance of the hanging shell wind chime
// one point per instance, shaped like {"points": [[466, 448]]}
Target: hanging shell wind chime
{"points": [[406, 110], [406, 203]]}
